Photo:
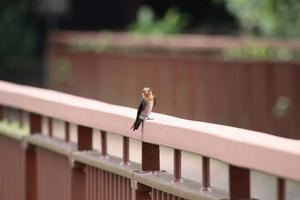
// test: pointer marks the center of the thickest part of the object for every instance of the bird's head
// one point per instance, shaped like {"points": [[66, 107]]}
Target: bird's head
{"points": [[146, 92]]}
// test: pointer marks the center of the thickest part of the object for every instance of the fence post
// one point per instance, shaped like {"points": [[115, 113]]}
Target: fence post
{"points": [[35, 121], [150, 162], [85, 136], [239, 183]]}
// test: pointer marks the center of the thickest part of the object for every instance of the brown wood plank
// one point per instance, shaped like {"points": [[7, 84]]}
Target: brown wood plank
{"points": [[177, 165], [125, 150], [239, 183], [280, 189], [150, 157], [35, 122]]}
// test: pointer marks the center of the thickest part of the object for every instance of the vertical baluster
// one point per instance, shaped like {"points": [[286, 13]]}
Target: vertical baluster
{"points": [[85, 142], [205, 174], [50, 127], [280, 189], [239, 183], [67, 131], [177, 165], [150, 162], [150, 157], [1, 113], [103, 143], [7, 114], [20, 118], [85, 138], [35, 122], [125, 150]]}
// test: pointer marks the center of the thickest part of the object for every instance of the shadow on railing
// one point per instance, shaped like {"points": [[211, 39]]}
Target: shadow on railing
{"points": [[59, 168]]}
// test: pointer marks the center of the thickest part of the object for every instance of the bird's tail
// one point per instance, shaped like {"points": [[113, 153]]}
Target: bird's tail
{"points": [[136, 124]]}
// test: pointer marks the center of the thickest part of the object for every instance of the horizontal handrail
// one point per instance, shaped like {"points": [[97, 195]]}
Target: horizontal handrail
{"points": [[239, 147]]}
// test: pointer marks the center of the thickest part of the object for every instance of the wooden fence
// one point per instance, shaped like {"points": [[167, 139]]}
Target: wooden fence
{"points": [[40, 167], [188, 73]]}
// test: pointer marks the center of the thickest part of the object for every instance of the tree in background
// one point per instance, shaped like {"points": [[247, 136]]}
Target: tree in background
{"points": [[267, 17], [18, 40], [172, 22], [16, 36]]}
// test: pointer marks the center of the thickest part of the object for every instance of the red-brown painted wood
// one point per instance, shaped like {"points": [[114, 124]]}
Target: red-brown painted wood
{"points": [[67, 131], [85, 139], [1, 112], [177, 165], [103, 143], [205, 174], [85, 142], [50, 127], [78, 184], [12, 179], [143, 192], [150, 157], [31, 174], [125, 150], [20, 117], [105, 185], [35, 122], [54, 175], [201, 139], [280, 189], [150, 162], [239, 183]]}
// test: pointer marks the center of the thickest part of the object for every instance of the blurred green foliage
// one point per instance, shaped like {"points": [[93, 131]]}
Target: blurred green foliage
{"points": [[13, 129], [279, 18], [172, 22], [17, 36], [257, 52]]}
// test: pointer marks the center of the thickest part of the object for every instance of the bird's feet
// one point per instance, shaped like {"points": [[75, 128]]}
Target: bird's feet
{"points": [[148, 118]]}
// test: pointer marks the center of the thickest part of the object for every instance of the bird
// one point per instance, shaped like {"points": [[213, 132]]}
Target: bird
{"points": [[148, 100]]}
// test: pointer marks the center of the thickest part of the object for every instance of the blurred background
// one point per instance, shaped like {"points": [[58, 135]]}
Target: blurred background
{"points": [[232, 62]]}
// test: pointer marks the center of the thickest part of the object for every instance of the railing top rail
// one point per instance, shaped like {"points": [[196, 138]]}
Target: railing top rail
{"points": [[183, 41], [240, 147]]}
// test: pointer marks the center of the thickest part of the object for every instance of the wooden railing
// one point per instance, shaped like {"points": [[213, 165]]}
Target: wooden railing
{"points": [[61, 169]]}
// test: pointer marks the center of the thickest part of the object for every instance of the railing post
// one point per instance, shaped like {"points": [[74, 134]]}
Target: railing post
{"points": [[20, 118], [7, 114], [103, 143], [1, 113], [50, 128], [280, 189], [85, 136], [177, 165], [205, 174], [239, 183], [150, 162], [67, 131], [125, 150], [150, 157], [35, 122]]}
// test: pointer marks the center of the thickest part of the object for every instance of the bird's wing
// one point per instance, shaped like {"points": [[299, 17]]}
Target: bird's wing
{"points": [[141, 108], [155, 100]]}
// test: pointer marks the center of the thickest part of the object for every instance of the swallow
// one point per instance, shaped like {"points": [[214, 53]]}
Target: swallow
{"points": [[148, 100]]}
